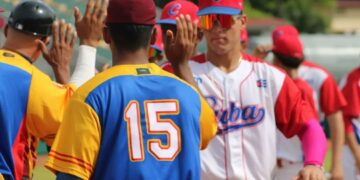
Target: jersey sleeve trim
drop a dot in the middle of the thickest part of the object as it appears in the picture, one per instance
(72, 160)
(70, 170)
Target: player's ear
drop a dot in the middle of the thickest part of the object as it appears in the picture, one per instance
(243, 20)
(153, 36)
(106, 35)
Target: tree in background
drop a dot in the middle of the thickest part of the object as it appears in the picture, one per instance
(310, 16)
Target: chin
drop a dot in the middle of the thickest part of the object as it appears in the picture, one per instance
(219, 50)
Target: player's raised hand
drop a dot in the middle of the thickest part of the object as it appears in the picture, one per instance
(60, 54)
(90, 26)
(310, 172)
(179, 48)
(262, 51)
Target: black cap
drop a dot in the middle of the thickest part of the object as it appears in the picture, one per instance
(33, 17)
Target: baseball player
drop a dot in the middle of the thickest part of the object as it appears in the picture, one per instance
(350, 86)
(328, 103)
(288, 55)
(250, 99)
(31, 104)
(156, 50)
(128, 125)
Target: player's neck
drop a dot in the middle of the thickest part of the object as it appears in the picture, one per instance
(225, 62)
(24, 51)
(136, 57)
(293, 73)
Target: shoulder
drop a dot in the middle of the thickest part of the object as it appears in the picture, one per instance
(122, 75)
(315, 69)
(350, 78)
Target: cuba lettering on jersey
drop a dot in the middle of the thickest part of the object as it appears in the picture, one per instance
(250, 104)
(29, 109)
(328, 98)
(133, 122)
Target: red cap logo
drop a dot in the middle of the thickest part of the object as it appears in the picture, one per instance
(174, 9)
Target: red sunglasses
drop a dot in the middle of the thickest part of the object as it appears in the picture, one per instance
(207, 22)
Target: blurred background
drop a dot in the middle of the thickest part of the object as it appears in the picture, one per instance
(330, 31)
(330, 28)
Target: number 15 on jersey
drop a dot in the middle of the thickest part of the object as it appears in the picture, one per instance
(154, 126)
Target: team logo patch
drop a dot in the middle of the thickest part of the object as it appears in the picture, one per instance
(236, 117)
(174, 9)
(143, 71)
(261, 83)
(198, 80)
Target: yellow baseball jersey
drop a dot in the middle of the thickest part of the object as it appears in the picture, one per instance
(133, 122)
(31, 107)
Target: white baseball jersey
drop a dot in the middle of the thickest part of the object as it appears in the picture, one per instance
(328, 98)
(250, 104)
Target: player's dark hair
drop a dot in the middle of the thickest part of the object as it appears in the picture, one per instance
(289, 62)
(130, 37)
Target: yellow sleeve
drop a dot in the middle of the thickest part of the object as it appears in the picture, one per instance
(77, 143)
(46, 104)
(208, 124)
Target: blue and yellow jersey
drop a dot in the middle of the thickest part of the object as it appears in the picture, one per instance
(31, 107)
(133, 122)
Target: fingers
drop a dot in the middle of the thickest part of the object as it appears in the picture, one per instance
(169, 38)
(184, 27)
(62, 27)
(95, 13)
(43, 49)
(69, 33)
(190, 28)
(77, 15)
(73, 40)
(55, 31)
(89, 9)
(103, 11)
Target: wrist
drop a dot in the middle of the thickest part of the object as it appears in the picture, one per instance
(89, 43)
(61, 68)
(316, 165)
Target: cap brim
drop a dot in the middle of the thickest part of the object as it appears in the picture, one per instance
(218, 10)
(166, 21)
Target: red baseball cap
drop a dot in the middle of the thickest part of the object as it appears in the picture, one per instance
(244, 36)
(227, 7)
(142, 12)
(175, 8)
(159, 43)
(286, 42)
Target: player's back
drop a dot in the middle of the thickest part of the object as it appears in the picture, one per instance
(149, 123)
(15, 78)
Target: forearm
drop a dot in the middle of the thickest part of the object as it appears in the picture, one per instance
(313, 143)
(85, 65)
(184, 72)
(353, 145)
(336, 125)
(62, 74)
